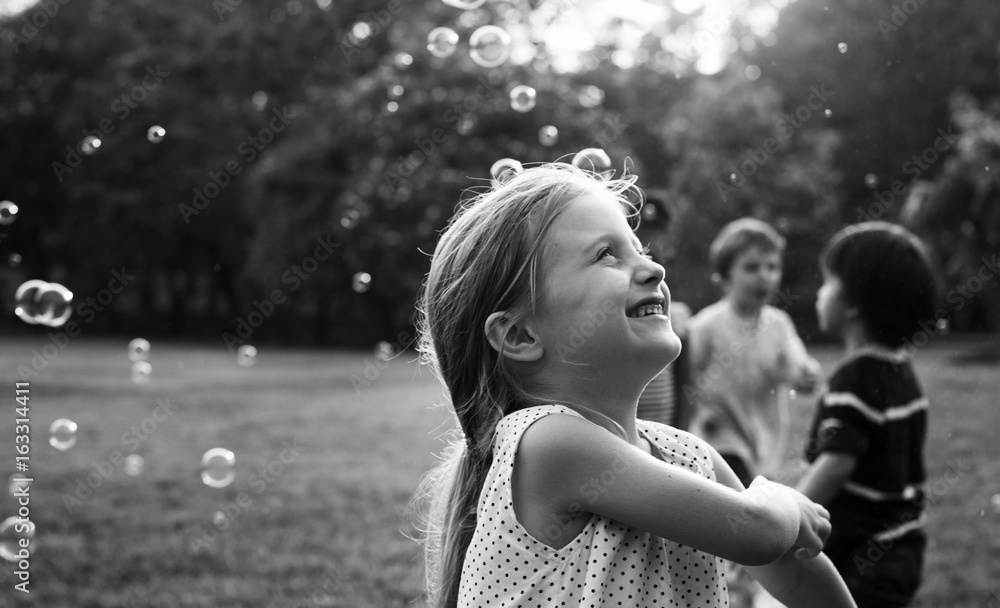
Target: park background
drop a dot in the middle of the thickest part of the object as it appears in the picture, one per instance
(810, 115)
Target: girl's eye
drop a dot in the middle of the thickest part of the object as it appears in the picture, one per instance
(603, 252)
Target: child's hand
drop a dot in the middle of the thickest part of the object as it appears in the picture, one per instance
(809, 376)
(814, 527)
(814, 519)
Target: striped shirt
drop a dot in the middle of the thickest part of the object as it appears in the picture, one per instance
(876, 411)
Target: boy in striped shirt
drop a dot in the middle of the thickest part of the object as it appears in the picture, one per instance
(866, 445)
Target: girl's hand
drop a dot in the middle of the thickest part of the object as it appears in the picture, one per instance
(814, 519)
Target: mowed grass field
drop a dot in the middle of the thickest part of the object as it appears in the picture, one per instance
(324, 471)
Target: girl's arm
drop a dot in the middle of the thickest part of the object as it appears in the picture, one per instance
(572, 465)
(791, 580)
(827, 475)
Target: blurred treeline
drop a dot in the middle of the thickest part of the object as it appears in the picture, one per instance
(356, 109)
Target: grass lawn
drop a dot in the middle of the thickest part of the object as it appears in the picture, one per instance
(323, 472)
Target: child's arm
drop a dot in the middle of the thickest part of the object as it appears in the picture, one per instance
(790, 579)
(571, 465)
(803, 371)
(827, 475)
(810, 582)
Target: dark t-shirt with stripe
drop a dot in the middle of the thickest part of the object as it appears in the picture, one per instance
(875, 410)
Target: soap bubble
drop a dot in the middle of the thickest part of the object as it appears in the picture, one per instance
(505, 169)
(402, 61)
(442, 42)
(384, 351)
(466, 5)
(16, 483)
(138, 349)
(246, 355)
(522, 98)
(361, 282)
(54, 305)
(62, 434)
(259, 101)
(548, 135)
(134, 464)
(591, 96)
(871, 180)
(217, 468)
(489, 46)
(219, 519)
(155, 134)
(89, 145)
(14, 260)
(828, 112)
(594, 160)
(26, 305)
(142, 372)
(842, 47)
(8, 213)
(12, 530)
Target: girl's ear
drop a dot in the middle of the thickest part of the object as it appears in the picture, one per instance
(514, 340)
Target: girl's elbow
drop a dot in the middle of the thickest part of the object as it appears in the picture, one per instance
(777, 534)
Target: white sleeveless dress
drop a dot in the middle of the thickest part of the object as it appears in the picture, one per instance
(607, 564)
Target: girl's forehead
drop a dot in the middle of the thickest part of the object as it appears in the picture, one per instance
(592, 212)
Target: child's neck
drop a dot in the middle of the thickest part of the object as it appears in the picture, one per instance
(613, 399)
(744, 310)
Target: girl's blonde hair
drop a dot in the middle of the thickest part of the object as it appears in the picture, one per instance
(487, 260)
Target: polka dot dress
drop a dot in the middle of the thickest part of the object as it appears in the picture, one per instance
(607, 564)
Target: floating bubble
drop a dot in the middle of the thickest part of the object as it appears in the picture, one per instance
(12, 530)
(138, 349)
(842, 47)
(259, 100)
(350, 218)
(871, 180)
(324, 4)
(217, 468)
(391, 107)
(361, 282)
(505, 169)
(791, 393)
(89, 145)
(828, 112)
(396, 91)
(14, 260)
(465, 126)
(26, 300)
(246, 355)
(62, 434)
(594, 160)
(465, 5)
(995, 503)
(548, 135)
(384, 351)
(54, 305)
(489, 46)
(17, 483)
(943, 327)
(752, 72)
(522, 98)
(142, 372)
(591, 96)
(442, 42)
(155, 134)
(8, 213)
(134, 464)
(402, 61)
(219, 519)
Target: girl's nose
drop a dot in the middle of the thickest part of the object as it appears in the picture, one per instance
(649, 272)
